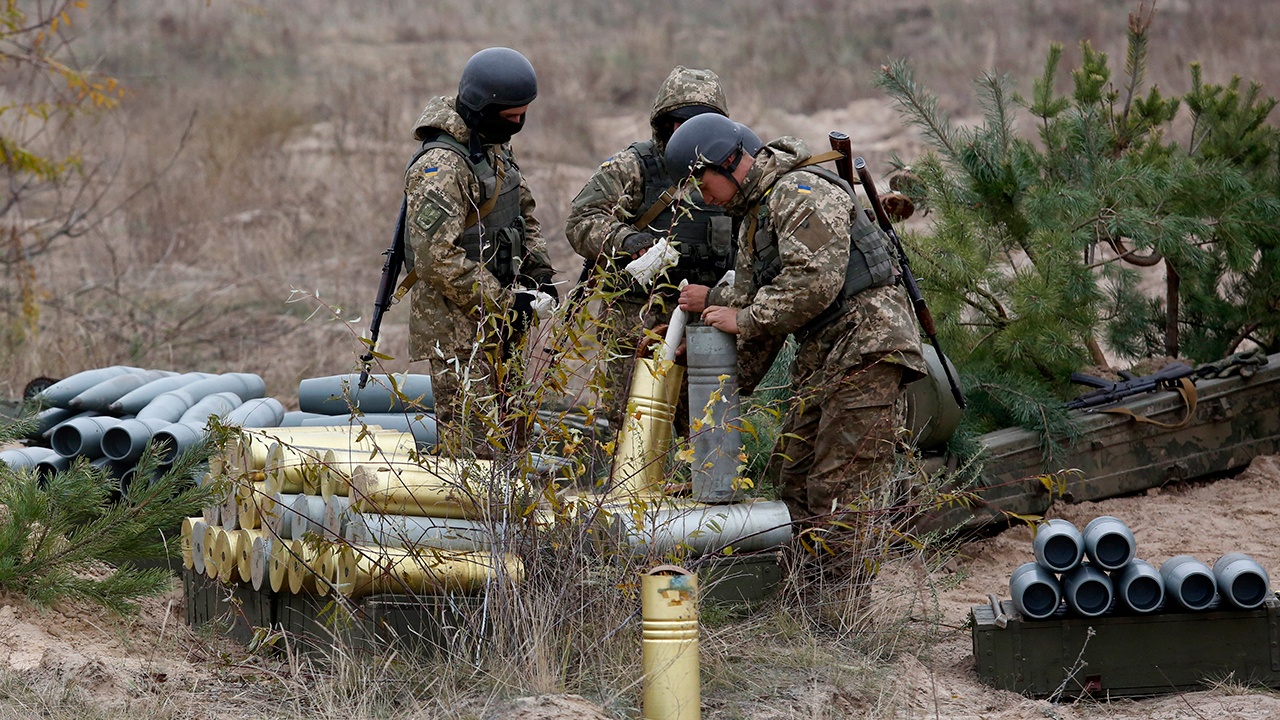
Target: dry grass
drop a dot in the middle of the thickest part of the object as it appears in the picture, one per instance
(259, 148)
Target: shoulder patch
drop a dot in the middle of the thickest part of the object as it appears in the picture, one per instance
(813, 235)
(607, 162)
(431, 215)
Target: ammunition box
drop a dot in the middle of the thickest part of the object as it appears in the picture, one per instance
(1127, 654)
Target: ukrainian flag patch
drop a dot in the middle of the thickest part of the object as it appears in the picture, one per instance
(431, 171)
(804, 189)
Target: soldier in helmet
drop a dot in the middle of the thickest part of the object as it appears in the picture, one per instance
(480, 261)
(624, 223)
(810, 264)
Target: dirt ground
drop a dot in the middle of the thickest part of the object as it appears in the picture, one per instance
(116, 661)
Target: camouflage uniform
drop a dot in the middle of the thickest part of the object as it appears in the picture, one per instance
(605, 212)
(851, 362)
(461, 311)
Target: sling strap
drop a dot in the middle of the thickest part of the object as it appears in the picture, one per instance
(1186, 389)
(473, 217)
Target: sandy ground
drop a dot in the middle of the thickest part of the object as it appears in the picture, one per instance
(114, 660)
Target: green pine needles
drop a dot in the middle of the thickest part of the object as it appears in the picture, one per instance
(1043, 251)
(74, 535)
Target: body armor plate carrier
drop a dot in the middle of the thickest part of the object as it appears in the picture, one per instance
(870, 263)
(704, 232)
(494, 231)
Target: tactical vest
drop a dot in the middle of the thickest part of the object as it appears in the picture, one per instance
(870, 262)
(704, 232)
(494, 231)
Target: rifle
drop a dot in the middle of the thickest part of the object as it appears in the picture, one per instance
(387, 293)
(845, 166)
(1166, 378)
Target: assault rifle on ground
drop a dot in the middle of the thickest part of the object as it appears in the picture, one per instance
(1166, 378)
(388, 295)
(841, 143)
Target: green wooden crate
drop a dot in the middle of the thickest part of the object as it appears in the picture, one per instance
(1127, 654)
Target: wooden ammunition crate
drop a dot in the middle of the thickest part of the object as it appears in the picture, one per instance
(426, 622)
(1127, 654)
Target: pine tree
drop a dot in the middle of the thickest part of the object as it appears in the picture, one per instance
(1033, 247)
(74, 535)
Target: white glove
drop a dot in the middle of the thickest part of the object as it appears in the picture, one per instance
(653, 262)
(541, 303)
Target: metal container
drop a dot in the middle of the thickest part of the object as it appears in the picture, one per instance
(1035, 591)
(698, 528)
(337, 513)
(278, 565)
(260, 561)
(714, 413)
(308, 515)
(640, 457)
(126, 441)
(1109, 543)
(1087, 590)
(184, 534)
(199, 532)
(81, 436)
(256, 413)
(1188, 582)
(932, 412)
(60, 393)
(669, 644)
(367, 570)
(421, 532)
(441, 491)
(133, 401)
(421, 426)
(99, 397)
(301, 566)
(1058, 545)
(1139, 586)
(24, 458)
(176, 438)
(1241, 580)
(217, 404)
(340, 394)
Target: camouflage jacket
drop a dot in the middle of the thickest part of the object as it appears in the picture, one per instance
(455, 297)
(603, 214)
(811, 220)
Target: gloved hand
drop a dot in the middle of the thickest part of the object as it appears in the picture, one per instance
(635, 244)
(653, 263)
(532, 306)
(524, 318)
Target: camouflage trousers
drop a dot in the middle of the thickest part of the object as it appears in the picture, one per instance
(474, 404)
(837, 449)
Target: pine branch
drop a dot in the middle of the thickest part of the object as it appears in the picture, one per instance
(919, 106)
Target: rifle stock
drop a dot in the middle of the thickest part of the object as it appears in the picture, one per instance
(846, 166)
(391, 269)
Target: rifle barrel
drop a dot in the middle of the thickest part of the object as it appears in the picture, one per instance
(391, 268)
(908, 278)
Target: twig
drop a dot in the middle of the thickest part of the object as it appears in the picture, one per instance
(1076, 667)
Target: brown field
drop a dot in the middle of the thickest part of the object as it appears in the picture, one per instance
(250, 180)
